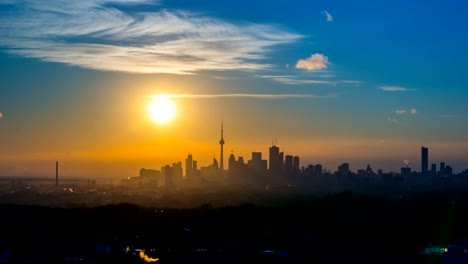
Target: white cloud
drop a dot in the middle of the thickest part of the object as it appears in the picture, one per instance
(413, 111)
(394, 89)
(96, 35)
(242, 95)
(400, 112)
(328, 16)
(316, 61)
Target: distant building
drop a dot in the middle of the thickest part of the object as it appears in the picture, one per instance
(318, 170)
(168, 176)
(442, 169)
(405, 171)
(275, 161)
(424, 160)
(433, 169)
(343, 169)
(288, 164)
(296, 170)
(188, 166)
(177, 172)
(256, 164)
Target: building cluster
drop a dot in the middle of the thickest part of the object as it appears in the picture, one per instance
(278, 170)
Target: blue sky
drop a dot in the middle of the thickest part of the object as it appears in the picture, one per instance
(340, 71)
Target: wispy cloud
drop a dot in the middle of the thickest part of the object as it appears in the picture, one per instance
(411, 111)
(328, 16)
(394, 89)
(105, 35)
(294, 80)
(316, 61)
(242, 95)
(393, 120)
(447, 116)
(289, 79)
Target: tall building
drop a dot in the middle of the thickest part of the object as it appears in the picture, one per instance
(433, 169)
(318, 170)
(258, 165)
(188, 166)
(221, 142)
(442, 169)
(275, 160)
(296, 169)
(424, 161)
(288, 164)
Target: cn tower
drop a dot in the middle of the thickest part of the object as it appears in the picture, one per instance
(221, 142)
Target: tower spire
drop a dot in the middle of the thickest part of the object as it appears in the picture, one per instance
(221, 142)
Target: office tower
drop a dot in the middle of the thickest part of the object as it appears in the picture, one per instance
(177, 172)
(296, 168)
(188, 166)
(276, 160)
(405, 171)
(257, 164)
(343, 169)
(433, 169)
(221, 143)
(442, 169)
(424, 160)
(318, 170)
(288, 164)
(168, 175)
(232, 162)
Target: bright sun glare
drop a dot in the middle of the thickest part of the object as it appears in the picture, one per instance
(162, 110)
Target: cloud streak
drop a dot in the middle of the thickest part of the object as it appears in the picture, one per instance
(412, 111)
(394, 89)
(242, 95)
(106, 35)
(293, 80)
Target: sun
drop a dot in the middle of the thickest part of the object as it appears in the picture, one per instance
(162, 110)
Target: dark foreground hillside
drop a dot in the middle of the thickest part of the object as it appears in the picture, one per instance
(340, 228)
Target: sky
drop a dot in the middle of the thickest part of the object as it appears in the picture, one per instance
(332, 81)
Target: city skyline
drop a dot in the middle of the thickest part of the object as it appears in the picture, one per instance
(331, 82)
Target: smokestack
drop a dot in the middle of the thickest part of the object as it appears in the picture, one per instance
(56, 173)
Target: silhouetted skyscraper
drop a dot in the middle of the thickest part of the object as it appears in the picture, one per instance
(288, 164)
(188, 166)
(424, 161)
(442, 169)
(296, 169)
(221, 142)
(276, 160)
(433, 169)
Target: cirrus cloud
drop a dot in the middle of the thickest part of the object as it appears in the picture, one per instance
(315, 62)
(328, 16)
(107, 35)
(394, 89)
